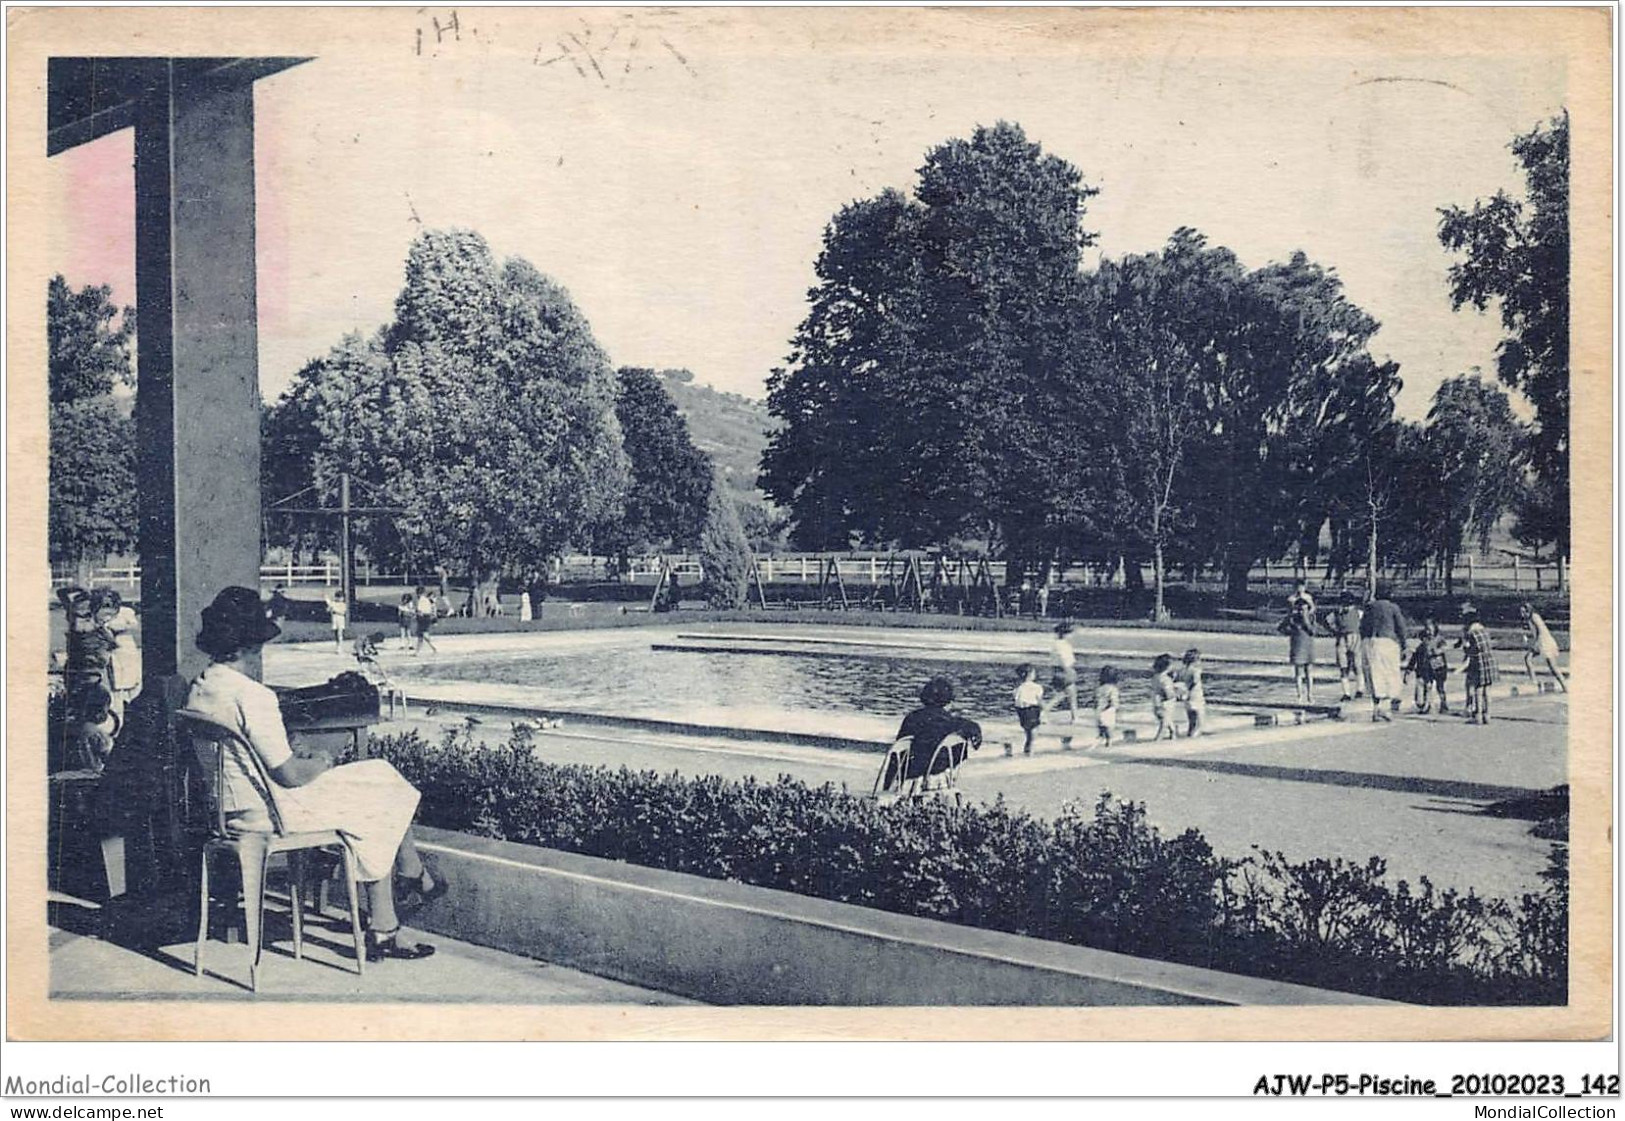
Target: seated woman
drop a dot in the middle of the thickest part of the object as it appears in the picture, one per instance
(369, 801)
(927, 726)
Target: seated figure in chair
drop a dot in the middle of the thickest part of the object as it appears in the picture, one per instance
(368, 801)
(928, 726)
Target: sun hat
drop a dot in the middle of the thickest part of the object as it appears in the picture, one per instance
(236, 619)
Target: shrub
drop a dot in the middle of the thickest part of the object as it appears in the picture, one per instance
(1104, 878)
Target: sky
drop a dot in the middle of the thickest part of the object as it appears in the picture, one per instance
(675, 171)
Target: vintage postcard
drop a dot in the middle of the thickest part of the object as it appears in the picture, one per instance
(791, 523)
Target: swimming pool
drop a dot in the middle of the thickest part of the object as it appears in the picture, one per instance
(635, 679)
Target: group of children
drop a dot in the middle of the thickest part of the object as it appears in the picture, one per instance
(1430, 666)
(1169, 690)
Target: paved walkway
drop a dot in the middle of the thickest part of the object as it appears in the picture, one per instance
(1414, 792)
(88, 968)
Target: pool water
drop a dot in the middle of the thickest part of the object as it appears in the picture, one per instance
(644, 681)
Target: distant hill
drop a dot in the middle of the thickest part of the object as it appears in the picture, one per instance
(730, 428)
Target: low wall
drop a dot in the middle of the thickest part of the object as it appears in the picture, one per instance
(730, 943)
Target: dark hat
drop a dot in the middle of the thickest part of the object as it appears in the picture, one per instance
(236, 619)
(938, 691)
(76, 601)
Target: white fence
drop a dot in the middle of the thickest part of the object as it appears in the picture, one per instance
(870, 569)
(129, 575)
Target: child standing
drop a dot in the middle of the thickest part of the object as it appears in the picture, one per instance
(1436, 661)
(1417, 669)
(423, 608)
(1163, 696)
(1346, 645)
(1191, 689)
(338, 613)
(1539, 643)
(1106, 698)
(1029, 704)
(1065, 681)
(1482, 672)
(406, 617)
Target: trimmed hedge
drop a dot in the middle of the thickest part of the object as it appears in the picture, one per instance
(1101, 877)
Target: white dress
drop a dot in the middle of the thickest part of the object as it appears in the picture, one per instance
(524, 607)
(369, 802)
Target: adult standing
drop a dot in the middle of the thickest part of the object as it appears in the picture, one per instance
(538, 593)
(124, 660)
(281, 606)
(1382, 651)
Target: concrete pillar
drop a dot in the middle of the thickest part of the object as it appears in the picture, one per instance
(197, 405)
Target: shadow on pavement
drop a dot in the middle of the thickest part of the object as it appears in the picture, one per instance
(1408, 784)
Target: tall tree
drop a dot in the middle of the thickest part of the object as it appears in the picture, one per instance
(89, 354)
(486, 410)
(92, 500)
(1472, 454)
(1516, 252)
(289, 446)
(831, 462)
(924, 375)
(1001, 233)
(670, 481)
(1151, 320)
(1294, 370)
(1415, 504)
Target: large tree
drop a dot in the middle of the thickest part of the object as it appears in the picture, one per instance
(1295, 377)
(289, 445)
(92, 499)
(1233, 405)
(669, 487)
(831, 462)
(1516, 252)
(1150, 324)
(486, 410)
(920, 383)
(1473, 442)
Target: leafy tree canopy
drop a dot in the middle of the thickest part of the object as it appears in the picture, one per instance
(486, 410)
(669, 487)
(92, 508)
(1516, 252)
(89, 354)
(915, 380)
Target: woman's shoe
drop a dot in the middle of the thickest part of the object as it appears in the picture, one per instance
(410, 895)
(381, 946)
